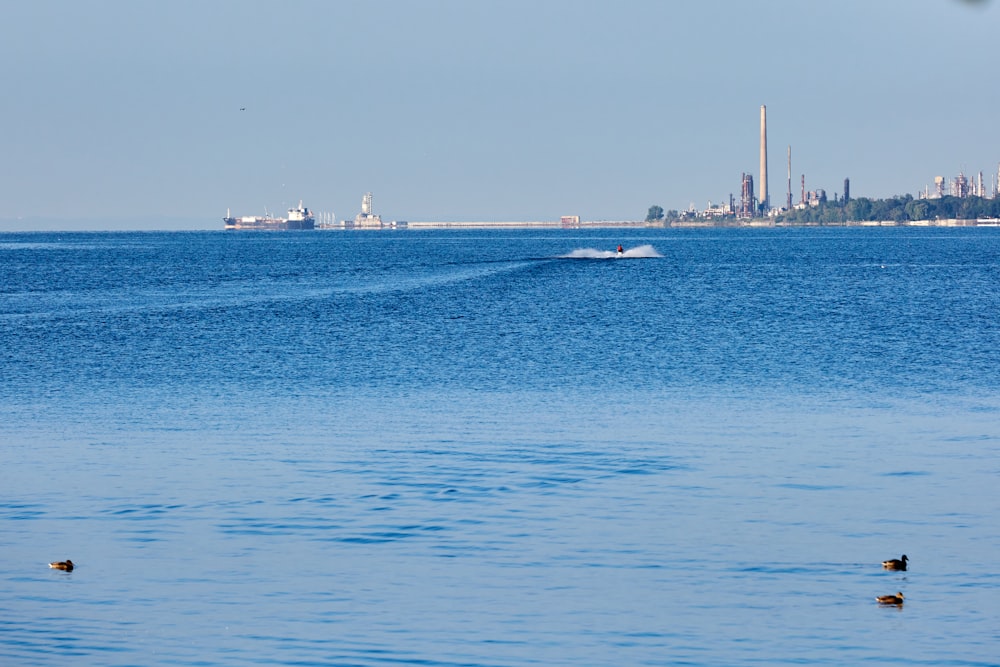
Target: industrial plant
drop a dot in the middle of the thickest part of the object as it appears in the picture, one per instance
(961, 187)
(754, 206)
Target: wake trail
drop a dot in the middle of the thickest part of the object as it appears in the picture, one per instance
(639, 252)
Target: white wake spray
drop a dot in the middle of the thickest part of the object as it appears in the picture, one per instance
(639, 252)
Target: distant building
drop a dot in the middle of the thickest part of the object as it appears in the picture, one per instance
(812, 198)
(960, 186)
(938, 191)
(748, 204)
(720, 211)
(366, 218)
(570, 221)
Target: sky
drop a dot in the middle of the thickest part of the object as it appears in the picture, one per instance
(159, 115)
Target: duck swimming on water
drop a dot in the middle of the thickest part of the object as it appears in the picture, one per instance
(895, 563)
(64, 565)
(896, 599)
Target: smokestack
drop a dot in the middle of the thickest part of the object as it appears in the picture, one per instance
(763, 159)
(788, 203)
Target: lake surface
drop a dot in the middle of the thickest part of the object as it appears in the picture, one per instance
(458, 448)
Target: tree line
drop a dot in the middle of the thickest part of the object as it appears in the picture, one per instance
(656, 214)
(902, 208)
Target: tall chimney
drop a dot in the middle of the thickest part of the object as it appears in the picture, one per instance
(763, 159)
(788, 203)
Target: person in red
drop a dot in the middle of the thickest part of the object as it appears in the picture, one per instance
(620, 250)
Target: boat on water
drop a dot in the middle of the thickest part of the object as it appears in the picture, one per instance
(299, 217)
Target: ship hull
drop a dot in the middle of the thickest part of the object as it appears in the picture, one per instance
(279, 225)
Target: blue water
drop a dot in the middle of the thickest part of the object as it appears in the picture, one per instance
(447, 448)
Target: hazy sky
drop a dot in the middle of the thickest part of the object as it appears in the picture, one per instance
(130, 111)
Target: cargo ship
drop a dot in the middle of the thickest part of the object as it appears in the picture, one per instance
(298, 218)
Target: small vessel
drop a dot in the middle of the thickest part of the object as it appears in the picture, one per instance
(299, 217)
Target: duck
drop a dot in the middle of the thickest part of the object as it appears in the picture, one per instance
(896, 599)
(895, 563)
(65, 565)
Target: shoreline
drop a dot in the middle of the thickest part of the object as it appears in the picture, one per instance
(91, 226)
(598, 224)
